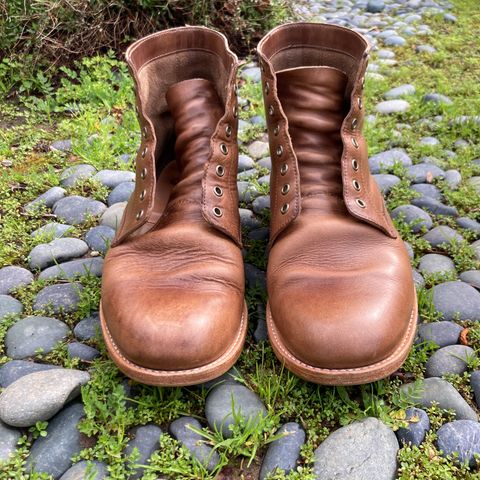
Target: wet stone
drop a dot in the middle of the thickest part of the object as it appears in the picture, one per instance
(418, 426)
(441, 333)
(14, 277)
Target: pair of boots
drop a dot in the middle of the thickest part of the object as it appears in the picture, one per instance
(342, 305)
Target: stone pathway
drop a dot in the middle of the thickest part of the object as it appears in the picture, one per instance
(365, 449)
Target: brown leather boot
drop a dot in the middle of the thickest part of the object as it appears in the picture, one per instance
(173, 310)
(342, 305)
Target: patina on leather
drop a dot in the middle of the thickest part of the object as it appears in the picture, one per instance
(342, 305)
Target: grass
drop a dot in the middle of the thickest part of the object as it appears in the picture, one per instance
(93, 106)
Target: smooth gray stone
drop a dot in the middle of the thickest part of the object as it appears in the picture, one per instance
(427, 190)
(449, 360)
(392, 106)
(476, 248)
(9, 438)
(14, 369)
(415, 217)
(245, 163)
(418, 280)
(63, 297)
(146, 439)
(86, 470)
(386, 181)
(394, 41)
(88, 328)
(472, 277)
(261, 233)
(56, 251)
(9, 306)
(450, 18)
(442, 234)
(384, 53)
(31, 334)
(363, 450)
(475, 383)
(121, 193)
(61, 145)
(434, 389)
(194, 442)
(469, 224)
(418, 426)
(254, 277)
(261, 203)
(475, 183)
(252, 73)
(52, 230)
(437, 98)
(112, 216)
(231, 376)
(436, 263)
(72, 175)
(113, 178)
(400, 91)
(83, 352)
(425, 49)
(13, 277)
(76, 209)
(73, 269)
(435, 207)
(218, 406)
(461, 143)
(410, 251)
(247, 191)
(248, 219)
(387, 159)
(283, 454)
(442, 333)
(100, 238)
(264, 180)
(258, 149)
(247, 174)
(461, 437)
(375, 6)
(265, 163)
(430, 141)
(48, 198)
(457, 301)
(53, 454)
(424, 172)
(37, 397)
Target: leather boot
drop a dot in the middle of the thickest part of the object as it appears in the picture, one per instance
(342, 304)
(173, 310)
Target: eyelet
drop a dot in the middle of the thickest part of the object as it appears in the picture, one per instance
(267, 88)
(284, 169)
(284, 208)
(276, 130)
(285, 189)
(235, 112)
(360, 104)
(143, 174)
(279, 150)
(271, 110)
(356, 185)
(217, 211)
(220, 170)
(137, 111)
(355, 164)
(144, 152)
(228, 131)
(354, 141)
(145, 132)
(142, 195)
(354, 123)
(262, 67)
(360, 203)
(223, 149)
(139, 215)
(363, 83)
(217, 191)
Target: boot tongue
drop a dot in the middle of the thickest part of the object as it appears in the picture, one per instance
(313, 99)
(196, 109)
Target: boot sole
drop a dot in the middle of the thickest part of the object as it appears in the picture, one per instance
(176, 378)
(343, 376)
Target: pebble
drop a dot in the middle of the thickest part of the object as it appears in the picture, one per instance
(88, 328)
(442, 234)
(375, 6)
(469, 224)
(61, 145)
(475, 183)
(400, 91)
(392, 106)
(425, 49)
(56, 251)
(461, 437)
(415, 217)
(49, 198)
(100, 238)
(9, 306)
(113, 178)
(74, 269)
(409, 249)
(394, 41)
(258, 149)
(475, 383)
(472, 277)
(32, 334)
(442, 333)
(52, 230)
(121, 193)
(83, 352)
(247, 174)
(476, 248)
(76, 209)
(434, 206)
(14, 277)
(457, 301)
(248, 219)
(437, 390)
(385, 54)
(246, 191)
(434, 263)
(427, 190)
(231, 376)
(245, 163)
(424, 172)
(453, 178)
(387, 159)
(418, 280)
(437, 98)
(449, 360)
(418, 426)
(9, 438)
(364, 450)
(218, 406)
(430, 141)
(52, 454)
(284, 452)
(83, 470)
(14, 369)
(194, 442)
(112, 216)
(72, 175)
(261, 203)
(386, 181)
(39, 396)
(253, 74)
(58, 298)
(146, 439)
